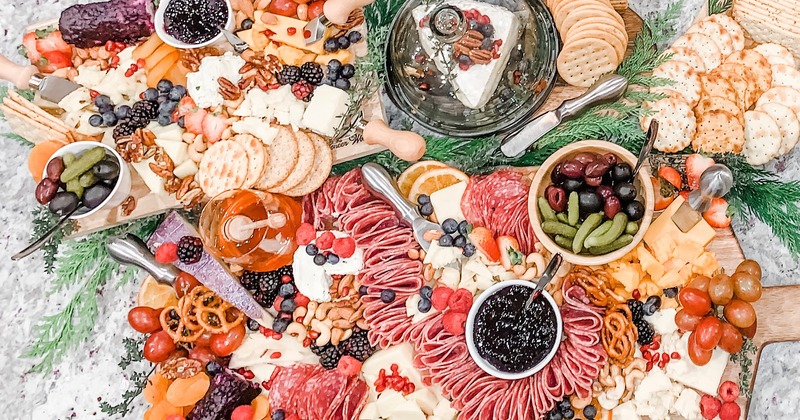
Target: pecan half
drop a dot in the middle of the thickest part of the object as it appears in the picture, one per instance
(187, 184)
(180, 367)
(128, 206)
(163, 165)
(480, 56)
(471, 40)
(228, 89)
(192, 198)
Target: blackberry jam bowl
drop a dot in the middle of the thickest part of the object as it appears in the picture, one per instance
(193, 23)
(507, 340)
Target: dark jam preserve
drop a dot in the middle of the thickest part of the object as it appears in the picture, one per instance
(511, 338)
(194, 21)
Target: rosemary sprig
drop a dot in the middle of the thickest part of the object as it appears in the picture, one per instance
(138, 381)
(133, 351)
(744, 358)
(719, 6)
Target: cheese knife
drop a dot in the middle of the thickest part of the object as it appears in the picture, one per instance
(406, 145)
(52, 88)
(380, 183)
(239, 46)
(715, 182)
(608, 88)
(334, 12)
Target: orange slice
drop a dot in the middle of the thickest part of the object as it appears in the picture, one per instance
(188, 391)
(434, 180)
(156, 295)
(407, 178)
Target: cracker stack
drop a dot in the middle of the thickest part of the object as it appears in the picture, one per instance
(725, 98)
(594, 39)
(769, 21)
(32, 122)
(293, 163)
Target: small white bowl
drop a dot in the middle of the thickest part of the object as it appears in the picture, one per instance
(161, 30)
(473, 350)
(121, 189)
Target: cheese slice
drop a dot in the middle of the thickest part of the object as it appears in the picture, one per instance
(704, 378)
(286, 26)
(325, 110)
(153, 181)
(187, 168)
(701, 234)
(178, 151)
(447, 202)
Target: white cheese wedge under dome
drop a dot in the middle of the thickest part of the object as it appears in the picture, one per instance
(476, 85)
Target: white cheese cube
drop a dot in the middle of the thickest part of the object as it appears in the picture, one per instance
(688, 404)
(325, 111)
(388, 402)
(178, 151)
(450, 278)
(256, 127)
(447, 202)
(187, 168)
(153, 181)
(172, 132)
(439, 256)
(370, 412)
(625, 411)
(76, 100)
(705, 378)
(408, 410)
(443, 411)
(663, 321)
(89, 76)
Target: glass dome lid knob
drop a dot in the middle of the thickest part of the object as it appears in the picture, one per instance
(448, 23)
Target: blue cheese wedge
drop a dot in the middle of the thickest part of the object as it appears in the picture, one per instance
(447, 202)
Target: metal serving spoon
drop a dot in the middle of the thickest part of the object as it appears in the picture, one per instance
(549, 273)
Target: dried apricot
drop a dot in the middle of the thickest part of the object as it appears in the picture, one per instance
(156, 388)
(261, 406)
(188, 391)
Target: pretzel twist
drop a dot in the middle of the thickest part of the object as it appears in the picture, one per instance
(619, 334)
(198, 312)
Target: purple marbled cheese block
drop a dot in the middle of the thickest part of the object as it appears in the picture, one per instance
(208, 271)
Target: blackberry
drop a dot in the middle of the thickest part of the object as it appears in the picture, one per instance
(266, 284)
(357, 346)
(329, 357)
(646, 332)
(263, 299)
(311, 72)
(289, 75)
(123, 129)
(250, 280)
(144, 111)
(637, 309)
(190, 249)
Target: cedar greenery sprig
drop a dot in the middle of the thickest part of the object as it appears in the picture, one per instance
(138, 380)
(647, 53)
(43, 220)
(716, 7)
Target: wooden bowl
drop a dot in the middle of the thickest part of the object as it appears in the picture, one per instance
(542, 180)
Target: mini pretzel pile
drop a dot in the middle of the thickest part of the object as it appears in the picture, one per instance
(198, 312)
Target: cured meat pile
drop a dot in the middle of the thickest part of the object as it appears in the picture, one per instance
(445, 359)
(499, 202)
(312, 392)
(376, 229)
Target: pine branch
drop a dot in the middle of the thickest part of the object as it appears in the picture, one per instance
(716, 7)
(646, 55)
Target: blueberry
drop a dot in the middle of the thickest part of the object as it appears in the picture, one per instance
(464, 59)
(554, 415)
(150, 95)
(312, 249)
(279, 324)
(342, 84)
(387, 295)
(164, 86)
(278, 415)
(463, 228)
(568, 413)
(564, 404)
(354, 37)
(286, 290)
(651, 305)
(426, 209)
(469, 250)
(348, 71)
(247, 24)
(589, 412)
(123, 111)
(288, 305)
(426, 292)
(333, 75)
(362, 290)
(343, 42)
(164, 120)
(450, 226)
(167, 107)
(320, 259)
(671, 292)
(177, 93)
(424, 199)
(213, 368)
(487, 30)
(326, 81)
(424, 305)
(446, 240)
(96, 120)
(252, 325)
(105, 108)
(460, 241)
(333, 258)
(102, 100)
(334, 65)
(331, 45)
(181, 122)
(109, 119)
(164, 97)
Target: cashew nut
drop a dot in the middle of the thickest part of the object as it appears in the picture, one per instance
(298, 312)
(358, 314)
(616, 370)
(579, 403)
(347, 333)
(530, 274)
(322, 310)
(296, 329)
(336, 336)
(362, 323)
(633, 379)
(427, 273)
(194, 155)
(538, 261)
(637, 364)
(538, 247)
(324, 332)
(611, 397)
(334, 314)
(343, 324)
(199, 144)
(346, 282)
(187, 137)
(518, 270)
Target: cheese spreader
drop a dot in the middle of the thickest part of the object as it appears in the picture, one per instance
(52, 88)
(715, 182)
(334, 12)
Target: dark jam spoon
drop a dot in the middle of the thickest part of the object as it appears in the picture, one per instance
(549, 273)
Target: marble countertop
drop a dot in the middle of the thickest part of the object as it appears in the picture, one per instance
(89, 374)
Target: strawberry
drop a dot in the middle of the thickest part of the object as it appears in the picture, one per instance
(460, 300)
(167, 253)
(709, 406)
(52, 42)
(301, 300)
(349, 366)
(29, 42)
(454, 322)
(344, 247)
(57, 60)
(484, 241)
(664, 193)
(186, 106)
(695, 165)
(440, 297)
(510, 254)
(717, 215)
(213, 126)
(730, 411)
(305, 234)
(685, 194)
(193, 122)
(671, 175)
(728, 391)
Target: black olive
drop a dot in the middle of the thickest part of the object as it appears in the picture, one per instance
(589, 202)
(556, 177)
(573, 184)
(634, 210)
(63, 202)
(621, 172)
(106, 169)
(95, 195)
(625, 191)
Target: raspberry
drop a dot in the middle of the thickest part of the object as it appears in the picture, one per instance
(243, 412)
(709, 406)
(460, 301)
(325, 241)
(454, 322)
(729, 391)
(167, 253)
(301, 300)
(730, 411)
(349, 366)
(440, 296)
(303, 90)
(305, 234)
(344, 247)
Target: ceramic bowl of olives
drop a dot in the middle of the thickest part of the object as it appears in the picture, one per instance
(586, 202)
(86, 175)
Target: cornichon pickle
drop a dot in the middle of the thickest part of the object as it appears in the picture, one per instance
(618, 243)
(563, 241)
(87, 179)
(68, 159)
(601, 229)
(617, 228)
(573, 209)
(631, 228)
(562, 217)
(557, 228)
(74, 185)
(546, 210)
(591, 223)
(83, 164)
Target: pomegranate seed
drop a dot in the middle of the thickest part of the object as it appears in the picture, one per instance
(291, 31)
(656, 345)
(382, 374)
(285, 278)
(495, 55)
(277, 336)
(645, 348)
(395, 367)
(120, 46)
(269, 33)
(265, 384)
(647, 355)
(636, 294)
(313, 334)
(93, 93)
(306, 342)
(129, 73)
(275, 355)
(424, 87)
(657, 339)
(300, 319)
(141, 63)
(109, 45)
(649, 366)
(664, 357)
(249, 375)
(240, 371)
(498, 42)
(419, 58)
(675, 355)
(306, 34)
(114, 60)
(463, 66)
(662, 364)
(484, 19)
(380, 388)
(274, 86)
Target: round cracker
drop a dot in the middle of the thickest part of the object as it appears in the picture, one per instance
(602, 23)
(788, 124)
(584, 61)
(687, 82)
(689, 57)
(752, 93)
(256, 157)
(563, 8)
(716, 32)
(305, 162)
(704, 46)
(711, 103)
(718, 132)
(223, 168)
(283, 154)
(785, 75)
(676, 124)
(619, 46)
(762, 137)
(739, 84)
(323, 162)
(713, 84)
(782, 95)
(775, 54)
(757, 64)
(732, 26)
(589, 12)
